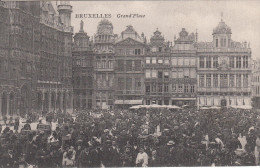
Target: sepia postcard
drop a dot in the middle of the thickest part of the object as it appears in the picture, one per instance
(129, 83)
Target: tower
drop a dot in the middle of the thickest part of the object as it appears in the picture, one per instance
(81, 39)
(65, 10)
(222, 35)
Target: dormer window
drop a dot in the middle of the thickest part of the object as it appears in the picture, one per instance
(160, 49)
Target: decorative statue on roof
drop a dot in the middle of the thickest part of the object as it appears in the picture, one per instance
(81, 26)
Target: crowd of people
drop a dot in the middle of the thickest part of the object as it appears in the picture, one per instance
(136, 138)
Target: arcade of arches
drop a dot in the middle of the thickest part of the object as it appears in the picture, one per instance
(14, 104)
(54, 101)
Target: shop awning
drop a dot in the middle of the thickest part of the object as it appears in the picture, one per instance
(183, 98)
(137, 102)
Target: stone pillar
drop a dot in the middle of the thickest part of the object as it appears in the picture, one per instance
(80, 101)
(42, 99)
(235, 80)
(228, 77)
(71, 103)
(242, 80)
(235, 60)
(61, 101)
(211, 79)
(49, 103)
(219, 80)
(1, 106)
(205, 62)
(8, 104)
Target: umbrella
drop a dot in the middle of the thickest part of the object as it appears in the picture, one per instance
(246, 107)
(155, 106)
(215, 107)
(205, 108)
(135, 107)
(173, 107)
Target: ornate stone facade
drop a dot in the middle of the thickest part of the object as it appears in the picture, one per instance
(157, 68)
(183, 75)
(130, 50)
(35, 58)
(104, 65)
(83, 70)
(223, 70)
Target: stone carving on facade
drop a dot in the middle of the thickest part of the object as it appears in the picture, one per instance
(223, 63)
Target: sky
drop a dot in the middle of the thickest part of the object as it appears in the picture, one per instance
(171, 16)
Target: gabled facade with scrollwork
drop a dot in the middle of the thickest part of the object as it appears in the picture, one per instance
(223, 70)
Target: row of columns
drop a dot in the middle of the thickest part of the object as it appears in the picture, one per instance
(228, 80)
(8, 104)
(47, 98)
(230, 100)
(212, 60)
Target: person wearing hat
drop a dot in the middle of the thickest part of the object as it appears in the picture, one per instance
(27, 126)
(96, 155)
(127, 158)
(111, 156)
(135, 149)
(154, 160)
(169, 155)
(84, 158)
(251, 141)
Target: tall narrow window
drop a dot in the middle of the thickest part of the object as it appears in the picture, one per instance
(202, 62)
(129, 84)
(129, 65)
(121, 83)
(238, 62)
(208, 62)
(147, 88)
(238, 80)
(174, 87)
(232, 80)
(216, 42)
(245, 61)
(147, 73)
(192, 89)
(201, 81)
(232, 62)
(245, 80)
(153, 88)
(166, 88)
(138, 65)
(154, 74)
(208, 80)
(186, 88)
(215, 62)
(160, 74)
(180, 89)
(223, 80)
(154, 60)
(160, 88)
(147, 60)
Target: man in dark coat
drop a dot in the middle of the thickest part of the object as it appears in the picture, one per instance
(84, 158)
(8, 159)
(111, 156)
(96, 156)
(127, 158)
(41, 157)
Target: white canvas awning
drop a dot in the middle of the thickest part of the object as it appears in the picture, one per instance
(134, 102)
